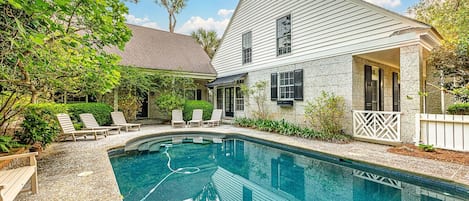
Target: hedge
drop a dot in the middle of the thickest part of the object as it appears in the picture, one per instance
(40, 122)
(285, 128)
(459, 109)
(191, 105)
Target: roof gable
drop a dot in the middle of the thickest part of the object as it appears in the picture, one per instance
(160, 50)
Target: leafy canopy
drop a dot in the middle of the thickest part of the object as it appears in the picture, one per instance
(208, 40)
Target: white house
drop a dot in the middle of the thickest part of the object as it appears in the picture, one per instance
(372, 57)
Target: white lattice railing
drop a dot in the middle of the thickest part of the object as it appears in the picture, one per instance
(378, 179)
(377, 125)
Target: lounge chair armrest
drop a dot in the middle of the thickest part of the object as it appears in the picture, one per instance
(18, 156)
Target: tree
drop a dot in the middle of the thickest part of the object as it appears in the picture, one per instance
(208, 40)
(49, 46)
(173, 7)
(450, 18)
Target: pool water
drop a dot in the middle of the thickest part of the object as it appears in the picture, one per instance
(245, 169)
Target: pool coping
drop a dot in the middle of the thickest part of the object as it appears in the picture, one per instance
(102, 185)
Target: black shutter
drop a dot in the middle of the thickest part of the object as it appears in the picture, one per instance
(273, 86)
(298, 77)
(368, 88)
(274, 173)
(395, 93)
(381, 90)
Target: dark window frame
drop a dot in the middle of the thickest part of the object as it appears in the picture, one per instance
(285, 36)
(246, 47)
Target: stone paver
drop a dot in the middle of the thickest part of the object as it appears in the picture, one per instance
(61, 163)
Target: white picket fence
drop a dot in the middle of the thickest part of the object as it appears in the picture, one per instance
(377, 125)
(443, 131)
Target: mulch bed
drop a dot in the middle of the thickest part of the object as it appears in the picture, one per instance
(439, 154)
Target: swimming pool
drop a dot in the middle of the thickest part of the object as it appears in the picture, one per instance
(185, 167)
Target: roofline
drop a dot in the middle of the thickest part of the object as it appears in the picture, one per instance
(207, 76)
(226, 30)
(391, 13)
(153, 29)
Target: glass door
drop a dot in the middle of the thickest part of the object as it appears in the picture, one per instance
(229, 102)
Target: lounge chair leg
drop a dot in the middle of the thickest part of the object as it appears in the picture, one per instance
(34, 185)
(95, 136)
(74, 138)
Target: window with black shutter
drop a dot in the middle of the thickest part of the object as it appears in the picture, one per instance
(298, 84)
(368, 88)
(381, 90)
(273, 87)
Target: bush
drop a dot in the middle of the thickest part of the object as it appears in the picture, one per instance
(7, 142)
(191, 105)
(285, 128)
(40, 123)
(100, 111)
(325, 113)
(459, 109)
(169, 102)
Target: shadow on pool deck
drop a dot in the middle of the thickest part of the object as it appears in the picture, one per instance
(61, 163)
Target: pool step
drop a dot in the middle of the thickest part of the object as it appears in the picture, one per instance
(155, 145)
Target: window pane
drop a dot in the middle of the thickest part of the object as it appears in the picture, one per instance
(284, 35)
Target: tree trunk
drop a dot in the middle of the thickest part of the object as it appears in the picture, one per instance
(171, 28)
(34, 97)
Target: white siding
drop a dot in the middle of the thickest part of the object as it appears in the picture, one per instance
(320, 28)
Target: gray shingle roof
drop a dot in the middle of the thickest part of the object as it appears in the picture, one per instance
(155, 49)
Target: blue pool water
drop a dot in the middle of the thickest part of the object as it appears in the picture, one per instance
(243, 169)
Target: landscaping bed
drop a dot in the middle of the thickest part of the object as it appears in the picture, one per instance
(439, 154)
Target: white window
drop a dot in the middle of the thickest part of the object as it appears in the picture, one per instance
(239, 99)
(287, 85)
(247, 48)
(284, 35)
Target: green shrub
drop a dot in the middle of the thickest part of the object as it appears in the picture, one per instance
(459, 109)
(427, 148)
(191, 105)
(40, 123)
(7, 142)
(169, 102)
(100, 111)
(285, 128)
(326, 113)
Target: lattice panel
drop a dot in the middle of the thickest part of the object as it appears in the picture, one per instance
(378, 179)
(377, 125)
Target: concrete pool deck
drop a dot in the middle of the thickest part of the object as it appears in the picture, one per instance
(82, 171)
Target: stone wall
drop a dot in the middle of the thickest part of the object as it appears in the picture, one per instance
(332, 74)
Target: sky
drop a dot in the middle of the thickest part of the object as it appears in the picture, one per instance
(211, 14)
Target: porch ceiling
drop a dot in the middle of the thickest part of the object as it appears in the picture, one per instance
(389, 57)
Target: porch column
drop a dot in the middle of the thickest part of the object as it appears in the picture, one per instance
(411, 63)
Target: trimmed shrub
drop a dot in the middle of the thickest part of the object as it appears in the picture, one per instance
(285, 128)
(100, 111)
(40, 123)
(326, 113)
(191, 105)
(459, 109)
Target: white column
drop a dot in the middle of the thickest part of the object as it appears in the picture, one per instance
(411, 63)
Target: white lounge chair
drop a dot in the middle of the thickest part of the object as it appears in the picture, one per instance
(68, 129)
(12, 181)
(118, 119)
(176, 118)
(196, 118)
(90, 123)
(216, 118)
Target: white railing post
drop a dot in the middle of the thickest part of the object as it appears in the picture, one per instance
(417, 129)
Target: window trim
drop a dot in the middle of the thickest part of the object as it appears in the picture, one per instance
(243, 58)
(277, 37)
(292, 73)
(240, 98)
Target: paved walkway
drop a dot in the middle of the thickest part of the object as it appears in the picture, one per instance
(61, 163)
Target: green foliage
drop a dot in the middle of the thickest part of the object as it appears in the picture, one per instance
(325, 113)
(448, 17)
(100, 111)
(459, 109)
(285, 128)
(191, 105)
(427, 148)
(7, 142)
(258, 92)
(169, 102)
(40, 123)
(58, 46)
(208, 40)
